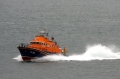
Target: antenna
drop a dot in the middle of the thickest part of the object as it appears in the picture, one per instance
(46, 29)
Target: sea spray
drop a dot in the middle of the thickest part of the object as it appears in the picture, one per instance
(100, 52)
(95, 52)
(18, 58)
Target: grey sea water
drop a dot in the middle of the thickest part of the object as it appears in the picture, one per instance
(75, 24)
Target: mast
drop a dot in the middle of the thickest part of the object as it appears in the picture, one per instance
(43, 33)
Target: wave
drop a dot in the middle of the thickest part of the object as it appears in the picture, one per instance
(94, 52)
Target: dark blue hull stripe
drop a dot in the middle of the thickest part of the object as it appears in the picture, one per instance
(28, 52)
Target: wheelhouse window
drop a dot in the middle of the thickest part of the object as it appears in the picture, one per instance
(40, 43)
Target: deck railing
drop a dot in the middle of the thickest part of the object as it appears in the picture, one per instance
(23, 45)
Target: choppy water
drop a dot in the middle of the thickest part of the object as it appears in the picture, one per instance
(89, 29)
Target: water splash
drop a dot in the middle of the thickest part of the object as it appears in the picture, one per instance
(95, 52)
(100, 52)
(18, 58)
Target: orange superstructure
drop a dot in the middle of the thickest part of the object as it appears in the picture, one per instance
(44, 44)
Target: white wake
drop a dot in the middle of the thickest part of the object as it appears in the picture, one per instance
(95, 52)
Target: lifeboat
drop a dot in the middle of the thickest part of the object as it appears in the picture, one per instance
(40, 46)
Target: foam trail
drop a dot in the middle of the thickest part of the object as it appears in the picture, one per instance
(95, 52)
(18, 58)
(101, 52)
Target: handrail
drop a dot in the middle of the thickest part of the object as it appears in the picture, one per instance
(23, 45)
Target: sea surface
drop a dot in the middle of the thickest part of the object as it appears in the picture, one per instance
(89, 29)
